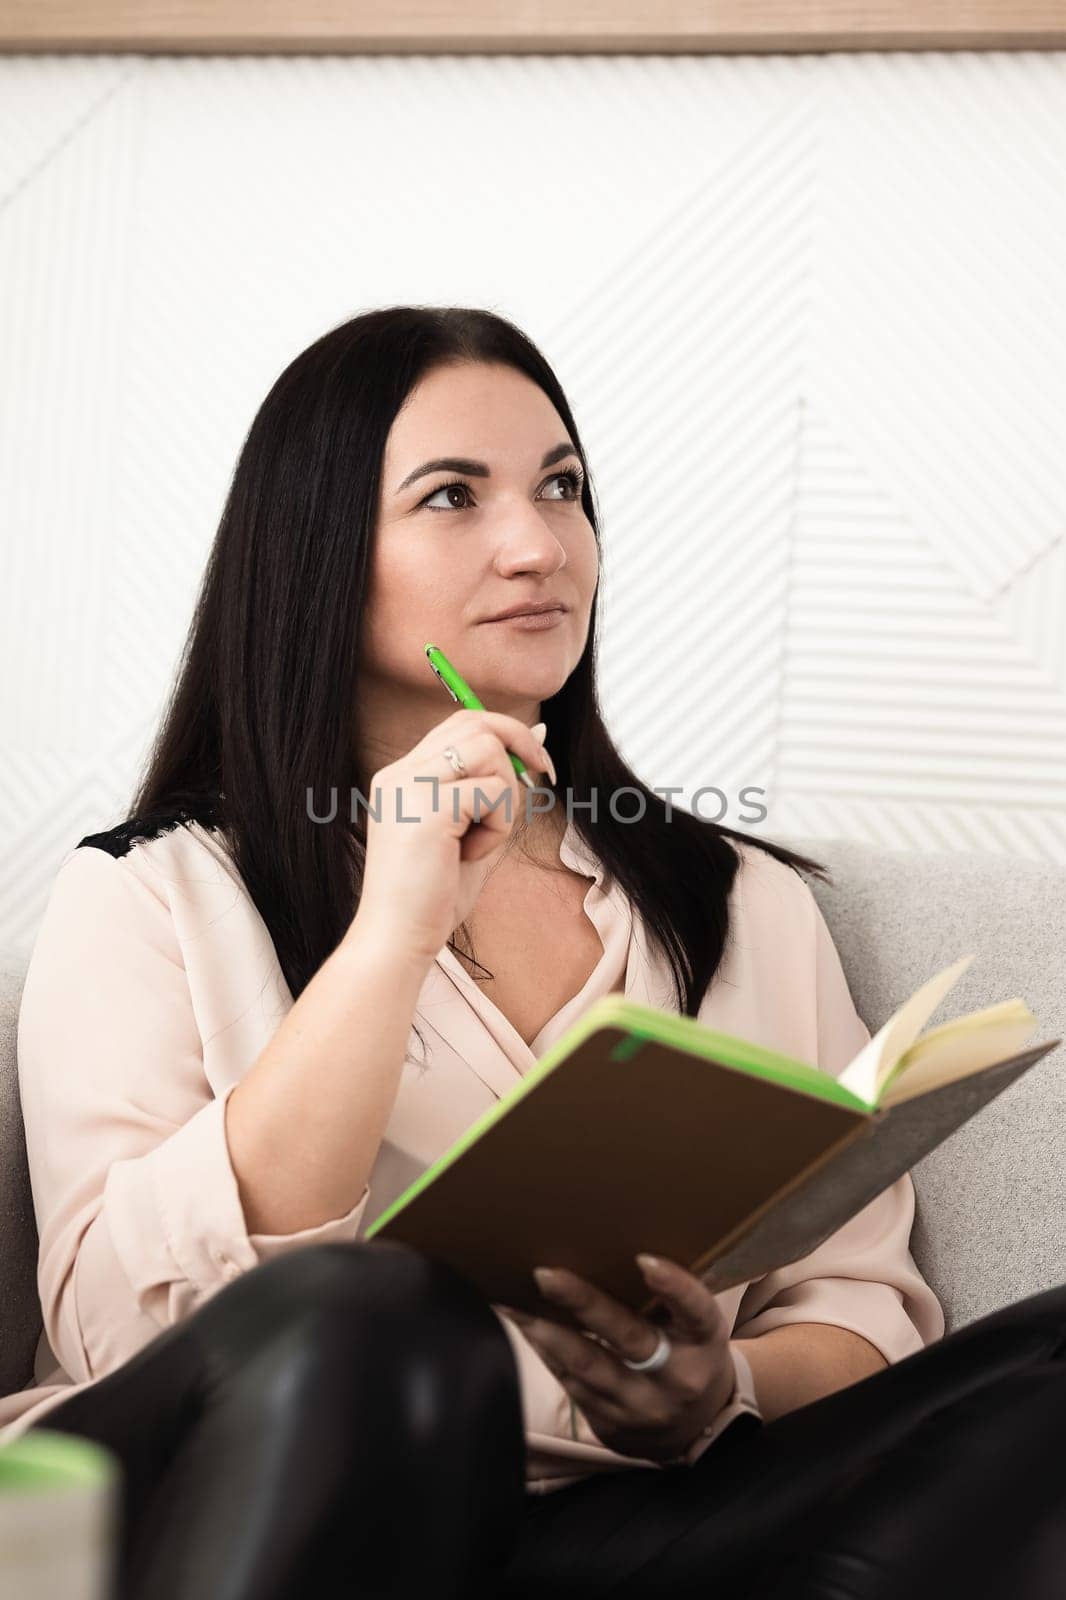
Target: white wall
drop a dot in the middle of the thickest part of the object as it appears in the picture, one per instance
(811, 314)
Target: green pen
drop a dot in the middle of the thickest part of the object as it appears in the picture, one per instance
(460, 690)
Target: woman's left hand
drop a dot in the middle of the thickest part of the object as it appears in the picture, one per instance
(656, 1415)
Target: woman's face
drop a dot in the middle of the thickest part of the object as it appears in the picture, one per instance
(446, 559)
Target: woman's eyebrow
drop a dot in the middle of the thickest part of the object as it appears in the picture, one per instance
(478, 469)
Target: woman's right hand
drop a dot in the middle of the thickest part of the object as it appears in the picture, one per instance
(422, 877)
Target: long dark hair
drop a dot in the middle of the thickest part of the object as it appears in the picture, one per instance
(264, 702)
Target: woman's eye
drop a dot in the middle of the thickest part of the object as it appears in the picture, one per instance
(571, 478)
(446, 488)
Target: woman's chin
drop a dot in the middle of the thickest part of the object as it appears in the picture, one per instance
(519, 670)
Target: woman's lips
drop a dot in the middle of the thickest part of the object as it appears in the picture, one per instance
(530, 621)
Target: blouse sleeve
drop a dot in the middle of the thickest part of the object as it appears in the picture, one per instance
(137, 1204)
(863, 1277)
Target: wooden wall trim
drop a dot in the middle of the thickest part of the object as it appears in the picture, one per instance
(531, 27)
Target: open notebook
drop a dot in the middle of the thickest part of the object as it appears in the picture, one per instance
(644, 1130)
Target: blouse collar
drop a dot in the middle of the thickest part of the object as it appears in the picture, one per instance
(454, 1005)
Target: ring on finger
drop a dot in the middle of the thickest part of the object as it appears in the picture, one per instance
(458, 766)
(658, 1358)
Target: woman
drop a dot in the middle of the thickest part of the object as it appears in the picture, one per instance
(253, 1016)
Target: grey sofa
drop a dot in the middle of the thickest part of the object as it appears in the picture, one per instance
(991, 1213)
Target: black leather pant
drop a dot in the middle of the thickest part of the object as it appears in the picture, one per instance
(346, 1421)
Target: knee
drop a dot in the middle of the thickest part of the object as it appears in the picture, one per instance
(381, 1281)
(377, 1340)
(377, 1301)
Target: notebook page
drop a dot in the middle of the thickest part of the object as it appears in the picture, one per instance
(958, 1048)
(867, 1073)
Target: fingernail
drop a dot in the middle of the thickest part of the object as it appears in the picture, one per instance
(516, 1316)
(651, 1266)
(538, 730)
(547, 1280)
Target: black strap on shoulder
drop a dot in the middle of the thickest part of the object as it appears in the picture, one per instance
(118, 841)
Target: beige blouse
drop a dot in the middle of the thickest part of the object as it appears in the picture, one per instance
(154, 985)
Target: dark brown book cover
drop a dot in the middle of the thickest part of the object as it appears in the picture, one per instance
(628, 1143)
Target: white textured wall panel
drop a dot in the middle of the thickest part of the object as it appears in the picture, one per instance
(810, 313)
